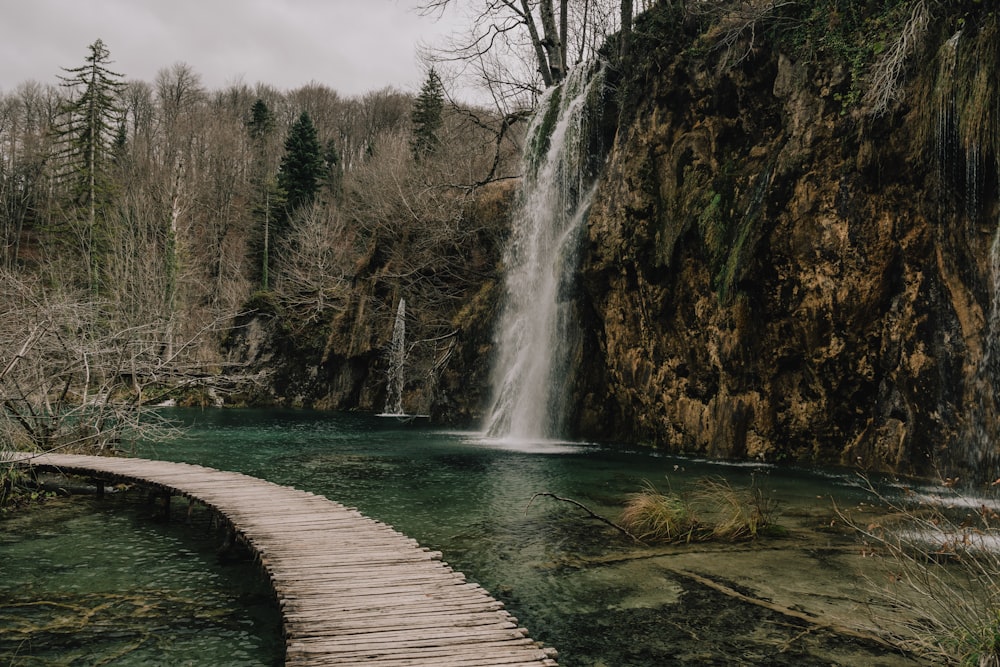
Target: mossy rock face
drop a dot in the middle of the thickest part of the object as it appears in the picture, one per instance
(540, 139)
(779, 273)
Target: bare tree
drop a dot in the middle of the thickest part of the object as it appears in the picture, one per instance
(67, 381)
(64, 385)
(502, 33)
(316, 259)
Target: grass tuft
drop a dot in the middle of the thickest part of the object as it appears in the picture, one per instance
(659, 517)
(714, 510)
(738, 514)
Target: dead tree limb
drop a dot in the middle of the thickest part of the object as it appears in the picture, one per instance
(814, 621)
(585, 509)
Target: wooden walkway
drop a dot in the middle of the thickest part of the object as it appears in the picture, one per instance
(352, 590)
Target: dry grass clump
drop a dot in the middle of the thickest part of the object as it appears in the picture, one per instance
(737, 514)
(654, 516)
(936, 564)
(714, 510)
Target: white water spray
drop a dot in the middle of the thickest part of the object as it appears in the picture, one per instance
(538, 328)
(397, 364)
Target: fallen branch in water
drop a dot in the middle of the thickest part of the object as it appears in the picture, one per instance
(786, 611)
(585, 509)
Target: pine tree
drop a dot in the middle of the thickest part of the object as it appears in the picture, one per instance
(427, 116)
(302, 167)
(261, 122)
(90, 126)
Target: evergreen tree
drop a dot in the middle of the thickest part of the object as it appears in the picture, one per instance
(261, 122)
(90, 126)
(302, 167)
(427, 116)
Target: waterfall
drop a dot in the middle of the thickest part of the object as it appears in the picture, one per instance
(947, 140)
(984, 456)
(397, 362)
(538, 326)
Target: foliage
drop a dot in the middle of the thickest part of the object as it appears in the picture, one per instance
(302, 168)
(426, 116)
(712, 223)
(18, 488)
(730, 238)
(886, 73)
(91, 121)
(261, 123)
(192, 213)
(11, 485)
(541, 132)
(712, 510)
(268, 200)
(935, 561)
(656, 38)
(871, 40)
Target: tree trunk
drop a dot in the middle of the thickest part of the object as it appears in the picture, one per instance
(536, 41)
(552, 41)
(564, 32)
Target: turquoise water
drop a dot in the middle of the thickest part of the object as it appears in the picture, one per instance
(88, 582)
(575, 583)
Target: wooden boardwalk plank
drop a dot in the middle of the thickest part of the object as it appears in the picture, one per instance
(352, 590)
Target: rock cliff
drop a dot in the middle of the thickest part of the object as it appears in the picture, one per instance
(779, 269)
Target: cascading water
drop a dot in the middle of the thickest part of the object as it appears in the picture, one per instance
(982, 455)
(947, 140)
(538, 326)
(397, 363)
(962, 154)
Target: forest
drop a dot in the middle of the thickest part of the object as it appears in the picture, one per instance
(140, 219)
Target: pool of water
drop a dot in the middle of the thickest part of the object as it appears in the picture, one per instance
(574, 582)
(88, 582)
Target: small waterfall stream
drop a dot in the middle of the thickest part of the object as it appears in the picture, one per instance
(538, 327)
(963, 153)
(397, 365)
(982, 449)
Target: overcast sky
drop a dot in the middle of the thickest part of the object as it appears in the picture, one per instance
(352, 46)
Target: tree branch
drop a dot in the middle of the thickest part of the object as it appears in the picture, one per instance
(587, 510)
